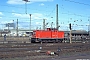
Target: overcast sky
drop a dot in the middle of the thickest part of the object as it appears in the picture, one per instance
(70, 11)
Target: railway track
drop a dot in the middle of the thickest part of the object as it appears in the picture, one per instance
(29, 49)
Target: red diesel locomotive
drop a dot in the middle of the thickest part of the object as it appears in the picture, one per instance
(48, 35)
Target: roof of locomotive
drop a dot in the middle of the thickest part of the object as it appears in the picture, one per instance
(49, 29)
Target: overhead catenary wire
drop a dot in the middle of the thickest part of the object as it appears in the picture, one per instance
(47, 15)
(71, 13)
(11, 12)
(77, 2)
(39, 10)
(44, 11)
(50, 14)
(13, 6)
(74, 14)
(34, 9)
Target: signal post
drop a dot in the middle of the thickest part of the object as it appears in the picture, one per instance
(70, 36)
(70, 33)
